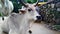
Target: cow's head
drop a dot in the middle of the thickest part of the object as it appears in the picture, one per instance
(31, 9)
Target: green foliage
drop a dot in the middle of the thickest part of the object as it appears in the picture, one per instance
(0, 14)
(57, 27)
(45, 0)
(31, 1)
(16, 5)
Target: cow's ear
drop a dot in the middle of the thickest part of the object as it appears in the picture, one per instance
(22, 11)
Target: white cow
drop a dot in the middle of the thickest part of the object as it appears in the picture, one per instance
(16, 23)
(19, 23)
(6, 7)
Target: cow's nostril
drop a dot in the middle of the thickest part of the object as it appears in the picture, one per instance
(38, 17)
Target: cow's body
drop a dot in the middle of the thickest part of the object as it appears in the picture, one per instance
(16, 24)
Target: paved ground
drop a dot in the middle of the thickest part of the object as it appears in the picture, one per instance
(39, 28)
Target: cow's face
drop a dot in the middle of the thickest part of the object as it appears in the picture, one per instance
(31, 9)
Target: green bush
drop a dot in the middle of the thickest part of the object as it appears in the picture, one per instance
(0, 14)
(57, 27)
(31, 1)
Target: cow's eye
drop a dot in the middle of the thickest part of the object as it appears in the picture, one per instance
(29, 10)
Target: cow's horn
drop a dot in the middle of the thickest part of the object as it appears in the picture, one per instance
(23, 3)
(36, 3)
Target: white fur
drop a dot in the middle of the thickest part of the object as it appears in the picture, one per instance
(16, 24)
